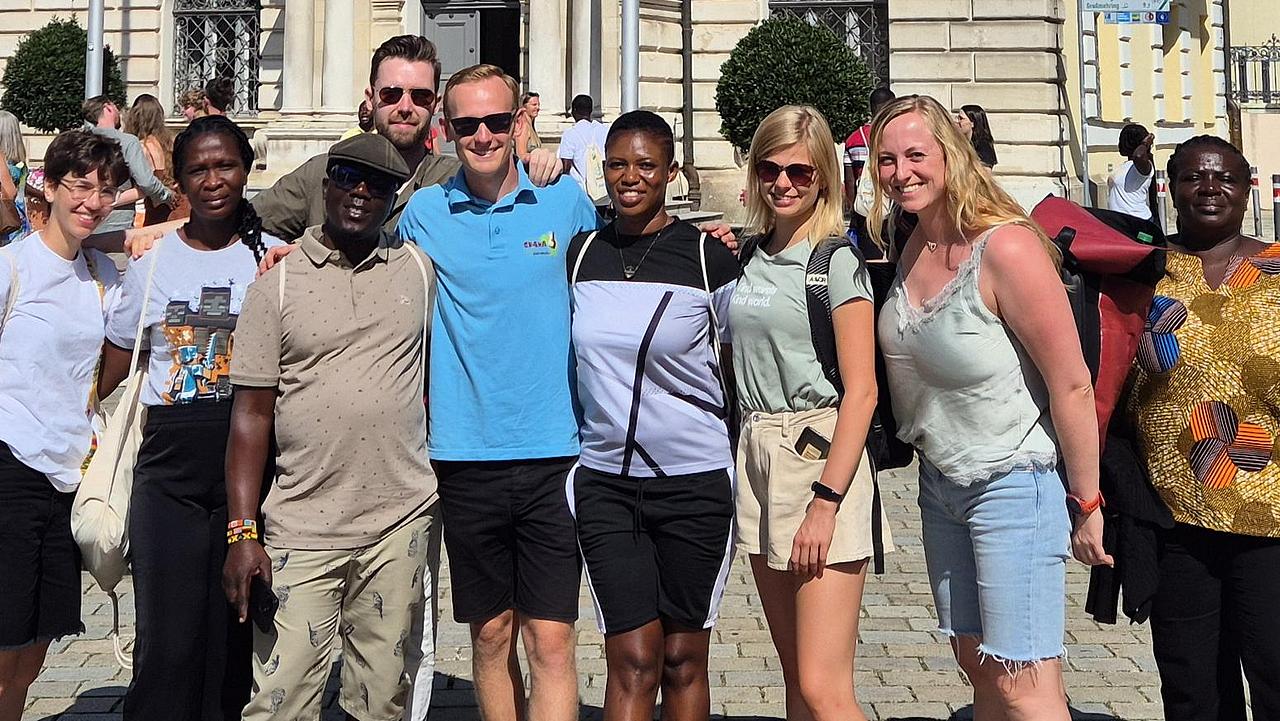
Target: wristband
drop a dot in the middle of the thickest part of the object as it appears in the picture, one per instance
(825, 492)
(1080, 507)
(248, 534)
(241, 523)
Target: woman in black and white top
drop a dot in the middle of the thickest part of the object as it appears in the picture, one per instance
(653, 491)
(191, 659)
(54, 296)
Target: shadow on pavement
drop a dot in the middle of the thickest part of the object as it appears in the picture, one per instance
(966, 714)
(101, 700)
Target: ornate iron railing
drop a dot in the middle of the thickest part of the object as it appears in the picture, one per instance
(862, 24)
(1255, 72)
(217, 39)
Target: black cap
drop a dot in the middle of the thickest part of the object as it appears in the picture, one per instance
(371, 150)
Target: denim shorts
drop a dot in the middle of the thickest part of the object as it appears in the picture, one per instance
(997, 555)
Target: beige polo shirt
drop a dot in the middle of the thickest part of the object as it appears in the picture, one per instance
(344, 347)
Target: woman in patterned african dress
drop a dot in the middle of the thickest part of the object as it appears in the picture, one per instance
(1206, 403)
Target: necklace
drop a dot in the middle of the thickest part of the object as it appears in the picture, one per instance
(932, 245)
(629, 271)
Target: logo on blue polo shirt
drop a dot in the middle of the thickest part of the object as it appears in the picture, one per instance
(544, 244)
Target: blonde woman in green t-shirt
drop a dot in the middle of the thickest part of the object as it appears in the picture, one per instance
(805, 485)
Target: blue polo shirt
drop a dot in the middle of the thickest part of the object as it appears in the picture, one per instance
(500, 356)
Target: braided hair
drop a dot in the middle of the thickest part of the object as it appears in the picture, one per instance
(1202, 142)
(248, 224)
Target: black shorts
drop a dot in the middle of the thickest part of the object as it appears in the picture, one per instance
(655, 547)
(39, 561)
(510, 538)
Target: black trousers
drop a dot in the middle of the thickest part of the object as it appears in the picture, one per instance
(1217, 608)
(191, 659)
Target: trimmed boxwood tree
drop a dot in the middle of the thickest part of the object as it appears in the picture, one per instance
(785, 61)
(44, 80)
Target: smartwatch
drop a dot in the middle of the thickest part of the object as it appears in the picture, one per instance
(1081, 508)
(825, 492)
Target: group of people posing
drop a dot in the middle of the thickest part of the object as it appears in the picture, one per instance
(465, 348)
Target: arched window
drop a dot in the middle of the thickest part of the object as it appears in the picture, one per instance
(217, 39)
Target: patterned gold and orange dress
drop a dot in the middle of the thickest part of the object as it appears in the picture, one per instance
(1206, 395)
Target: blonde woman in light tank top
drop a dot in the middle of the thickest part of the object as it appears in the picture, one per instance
(990, 385)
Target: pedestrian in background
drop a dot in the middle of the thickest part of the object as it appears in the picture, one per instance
(1129, 187)
(527, 138)
(1203, 407)
(193, 103)
(102, 117)
(805, 483)
(191, 660)
(989, 384)
(13, 177)
(220, 95)
(145, 121)
(972, 121)
(54, 295)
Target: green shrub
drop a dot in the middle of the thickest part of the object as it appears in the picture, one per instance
(785, 61)
(44, 80)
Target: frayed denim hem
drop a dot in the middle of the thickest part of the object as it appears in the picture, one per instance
(1014, 667)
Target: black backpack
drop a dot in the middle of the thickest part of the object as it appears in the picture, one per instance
(883, 447)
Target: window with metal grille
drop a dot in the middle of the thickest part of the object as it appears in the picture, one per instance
(217, 39)
(862, 24)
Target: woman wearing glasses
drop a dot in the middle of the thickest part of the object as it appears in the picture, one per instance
(805, 485)
(191, 659)
(54, 296)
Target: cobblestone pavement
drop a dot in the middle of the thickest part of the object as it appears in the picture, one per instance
(905, 670)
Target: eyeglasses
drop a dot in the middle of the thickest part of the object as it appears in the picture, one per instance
(799, 174)
(81, 190)
(496, 123)
(347, 177)
(422, 97)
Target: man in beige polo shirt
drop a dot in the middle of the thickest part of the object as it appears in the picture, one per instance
(330, 354)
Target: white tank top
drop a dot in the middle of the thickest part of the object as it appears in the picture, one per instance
(964, 391)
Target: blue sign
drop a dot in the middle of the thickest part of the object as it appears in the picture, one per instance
(1160, 17)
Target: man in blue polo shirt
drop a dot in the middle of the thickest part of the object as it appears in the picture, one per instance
(503, 433)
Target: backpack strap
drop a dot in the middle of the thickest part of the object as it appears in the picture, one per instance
(748, 249)
(817, 294)
(818, 303)
(284, 269)
(582, 253)
(11, 299)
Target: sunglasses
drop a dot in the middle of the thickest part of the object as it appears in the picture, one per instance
(422, 97)
(799, 174)
(347, 177)
(497, 123)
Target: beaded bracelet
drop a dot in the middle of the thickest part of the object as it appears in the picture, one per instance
(240, 523)
(248, 534)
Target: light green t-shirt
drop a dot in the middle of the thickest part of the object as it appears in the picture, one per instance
(773, 358)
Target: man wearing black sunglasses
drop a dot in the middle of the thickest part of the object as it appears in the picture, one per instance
(334, 348)
(504, 435)
(403, 81)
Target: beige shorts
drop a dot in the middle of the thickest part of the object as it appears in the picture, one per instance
(774, 490)
(363, 601)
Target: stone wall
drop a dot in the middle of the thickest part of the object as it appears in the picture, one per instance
(1004, 55)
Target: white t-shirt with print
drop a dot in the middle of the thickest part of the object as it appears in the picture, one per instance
(49, 350)
(194, 302)
(1128, 191)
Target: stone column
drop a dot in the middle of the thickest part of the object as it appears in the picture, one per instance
(584, 49)
(546, 54)
(337, 88)
(299, 55)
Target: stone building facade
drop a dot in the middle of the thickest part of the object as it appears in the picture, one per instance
(1016, 58)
